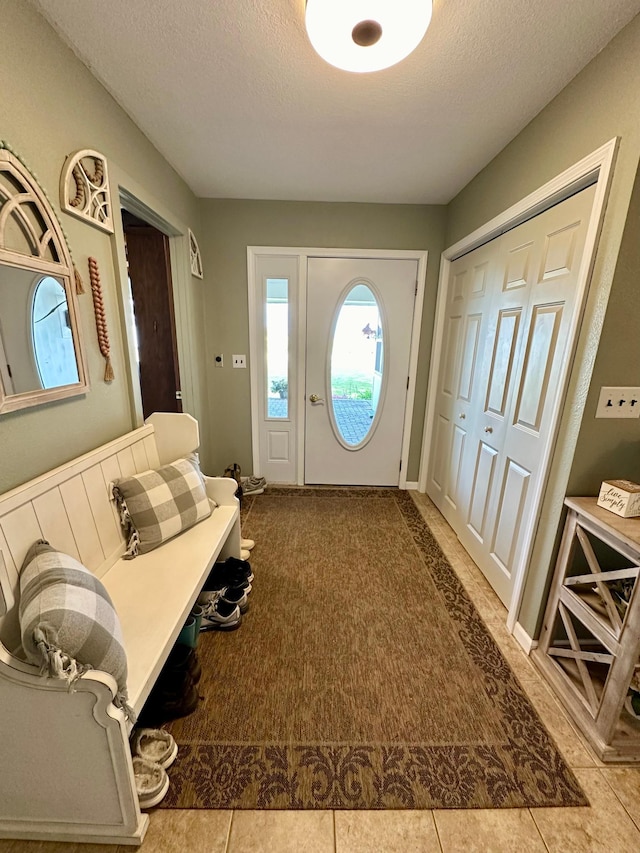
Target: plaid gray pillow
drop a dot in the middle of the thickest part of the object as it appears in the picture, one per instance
(157, 505)
(68, 623)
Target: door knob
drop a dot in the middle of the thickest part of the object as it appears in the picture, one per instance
(315, 399)
(488, 429)
(462, 416)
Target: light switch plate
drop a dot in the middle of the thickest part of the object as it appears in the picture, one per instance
(619, 402)
(239, 360)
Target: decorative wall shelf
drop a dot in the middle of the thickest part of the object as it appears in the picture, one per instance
(590, 642)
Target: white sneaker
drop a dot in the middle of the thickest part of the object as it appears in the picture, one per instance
(156, 745)
(219, 615)
(253, 485)
(208, 597)
(152, 782)
(247, 544)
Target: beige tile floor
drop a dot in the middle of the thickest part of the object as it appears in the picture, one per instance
(611, 823)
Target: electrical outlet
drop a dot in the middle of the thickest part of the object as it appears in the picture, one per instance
(622, 402)
(218, 360)
(239, 360)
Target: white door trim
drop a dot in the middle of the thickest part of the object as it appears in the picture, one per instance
(595, 168)
(134, 198)
(303, 254)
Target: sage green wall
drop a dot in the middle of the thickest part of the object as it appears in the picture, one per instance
(231, 225)
(51, 106)
(603, 101)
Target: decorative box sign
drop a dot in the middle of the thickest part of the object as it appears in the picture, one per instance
(621, 497)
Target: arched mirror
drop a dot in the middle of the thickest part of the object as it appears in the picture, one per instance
(40, 347)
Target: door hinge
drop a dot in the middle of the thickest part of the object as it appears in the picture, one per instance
(408, 377)
(178, 395)
(400, 468)
(415, 292)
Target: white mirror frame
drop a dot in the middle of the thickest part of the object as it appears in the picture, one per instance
(49, 255)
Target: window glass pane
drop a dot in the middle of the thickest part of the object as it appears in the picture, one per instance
(277, 331)
(356, 364)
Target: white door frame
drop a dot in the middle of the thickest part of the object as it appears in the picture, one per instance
(256, 345)
(595, 168)
(134, 198)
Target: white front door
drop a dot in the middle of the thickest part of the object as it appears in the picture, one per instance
(511, 313)
(359, 326)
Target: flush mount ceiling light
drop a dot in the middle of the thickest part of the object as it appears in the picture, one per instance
(366, 35)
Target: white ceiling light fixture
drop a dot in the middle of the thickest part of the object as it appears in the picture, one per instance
(366, 35)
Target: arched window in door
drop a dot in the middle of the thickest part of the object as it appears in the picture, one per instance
(357, 366)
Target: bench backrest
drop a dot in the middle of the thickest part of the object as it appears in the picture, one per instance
(71, 507)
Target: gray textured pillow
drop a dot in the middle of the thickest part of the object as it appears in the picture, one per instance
(68, 623)
(156, 505)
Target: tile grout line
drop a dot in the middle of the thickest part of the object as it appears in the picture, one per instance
(226, 846)
(615, 794)
(538, 830)
(435, 825)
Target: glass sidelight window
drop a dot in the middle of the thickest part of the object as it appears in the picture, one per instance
(277, 335)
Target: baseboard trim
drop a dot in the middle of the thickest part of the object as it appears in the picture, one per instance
(527, 643)
(412, 484)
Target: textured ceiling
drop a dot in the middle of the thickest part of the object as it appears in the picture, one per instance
(234, 96)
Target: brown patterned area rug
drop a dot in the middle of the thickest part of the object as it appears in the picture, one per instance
(362, 677)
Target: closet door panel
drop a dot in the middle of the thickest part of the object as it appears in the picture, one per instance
(517, 303)
(469, 357)
(451, 359)
(440, 443)
(455, 465)
(537, 366)
(483, 475)
(502, 360)
(517, 267)
(509, 516)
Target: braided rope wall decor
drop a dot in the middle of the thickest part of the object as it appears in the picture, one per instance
(84, 189)
(101, 321)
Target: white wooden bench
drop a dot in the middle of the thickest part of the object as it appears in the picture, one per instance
(66, 771)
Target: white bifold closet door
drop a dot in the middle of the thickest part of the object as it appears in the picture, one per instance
(511, 313)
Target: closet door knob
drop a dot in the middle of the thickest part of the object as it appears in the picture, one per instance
(462, 416)
(488, 429)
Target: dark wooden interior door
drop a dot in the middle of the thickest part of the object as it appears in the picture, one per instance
(152, 292)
